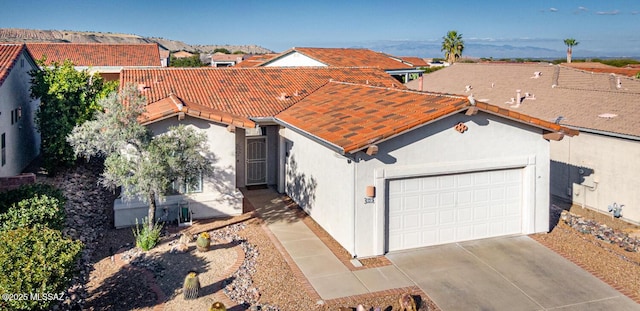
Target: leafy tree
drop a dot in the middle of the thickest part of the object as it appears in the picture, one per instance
(239, 52)
(68, 97)
(222, 50)
(570, 43)
(637, 75)
(452, 46)
(142, 164)
(192, 61)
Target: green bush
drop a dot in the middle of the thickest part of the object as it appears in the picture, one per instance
(146, 238)
(39, 211)
(9, 198)
(35, 261)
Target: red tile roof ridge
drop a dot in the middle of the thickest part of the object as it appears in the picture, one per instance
(159, 110)
(403, 90)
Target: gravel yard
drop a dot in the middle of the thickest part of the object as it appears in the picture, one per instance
(107, 283)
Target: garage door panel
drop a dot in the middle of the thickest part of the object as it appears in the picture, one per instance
(447, 199)
(429, 219)
(446, 217)
(450, 208)
(411, 203)
(464, 197)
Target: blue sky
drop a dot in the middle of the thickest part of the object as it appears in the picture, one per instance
(603, 27)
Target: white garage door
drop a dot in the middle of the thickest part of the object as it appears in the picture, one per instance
(451, 208)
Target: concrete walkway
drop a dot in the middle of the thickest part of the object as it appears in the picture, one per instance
(511, 273)
(325, 272)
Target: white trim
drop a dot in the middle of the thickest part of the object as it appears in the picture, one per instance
(266, 162)
(382, 175)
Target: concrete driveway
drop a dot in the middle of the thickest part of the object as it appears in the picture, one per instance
(513, 273)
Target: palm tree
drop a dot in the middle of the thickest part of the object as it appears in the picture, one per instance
(452, 46)
(570, 43)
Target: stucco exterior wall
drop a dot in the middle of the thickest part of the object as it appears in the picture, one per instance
(489, 143)
(595, 171)
(219, 197)
(22, 139)
(321, 182)
(296, 59)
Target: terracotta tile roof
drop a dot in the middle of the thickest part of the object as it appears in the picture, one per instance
(97, 54)
(414, 61)
(9, 55)
(227, 57)
(602, 68)
(172, 106)
(255, 60)
(343, 57)
(246, 92)
(354, 116)
(579, 99)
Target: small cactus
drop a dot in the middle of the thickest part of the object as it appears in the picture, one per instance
(203, 242)
(191, 286)
(218, 306)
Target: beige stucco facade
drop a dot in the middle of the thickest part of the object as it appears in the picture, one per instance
(219, 196)
(597, 170)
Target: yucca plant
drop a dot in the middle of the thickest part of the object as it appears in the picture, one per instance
(146, 238)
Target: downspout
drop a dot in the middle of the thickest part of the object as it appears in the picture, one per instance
(355, 202)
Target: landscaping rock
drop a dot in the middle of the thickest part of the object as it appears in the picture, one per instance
(602, 231)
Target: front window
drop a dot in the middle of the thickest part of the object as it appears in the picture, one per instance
(3, 143)
(189, 185)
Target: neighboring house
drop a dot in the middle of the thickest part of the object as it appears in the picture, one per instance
(255, 60)
(164, 57)
(343, 57)
(379, 167)
(19, 137)
(103, 58)
(413, 61)
(182, 54)
(628, 71)
(226, 60)
(593, 170)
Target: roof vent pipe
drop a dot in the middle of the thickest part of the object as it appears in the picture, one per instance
(518, 97)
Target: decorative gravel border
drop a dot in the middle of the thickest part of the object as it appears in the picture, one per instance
(313, 294)
(587, 268)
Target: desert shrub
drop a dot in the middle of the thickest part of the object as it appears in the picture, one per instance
(35, 261)
(146, 238)
(9, 198)
(39, 211)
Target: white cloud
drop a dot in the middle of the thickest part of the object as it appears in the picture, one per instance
(635, 12)
(614, 12)
(581, 9)
(553, 10)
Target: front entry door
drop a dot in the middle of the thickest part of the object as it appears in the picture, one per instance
(256, 168)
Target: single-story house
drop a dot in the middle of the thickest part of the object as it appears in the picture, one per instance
(254, 60)
(104, 58)
(344, 57)
(235, 106)
(226, 60)
(597, 168)
(19, 137)
(379, 167)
